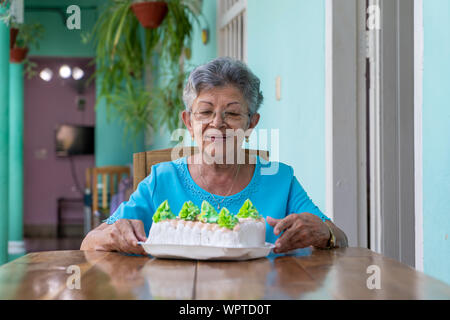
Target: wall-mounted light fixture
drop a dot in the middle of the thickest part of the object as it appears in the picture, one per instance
(65, 72)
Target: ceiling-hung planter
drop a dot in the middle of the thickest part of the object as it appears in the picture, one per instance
(12, 36)
(27, 38)
(150, 14)
(125, 54)
(17, 55)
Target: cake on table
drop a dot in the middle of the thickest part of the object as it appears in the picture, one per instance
(205, 227)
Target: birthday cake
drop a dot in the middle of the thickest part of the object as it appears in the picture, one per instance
(205, 227)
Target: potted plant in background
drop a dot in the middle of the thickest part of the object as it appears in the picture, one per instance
(22, 38)
(28, 36)
(12, 36)
(126, 54)
(150, 13)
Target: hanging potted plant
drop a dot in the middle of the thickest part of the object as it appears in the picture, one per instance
(125, 54)
(28, 36)
(12, 36)
(150, 13)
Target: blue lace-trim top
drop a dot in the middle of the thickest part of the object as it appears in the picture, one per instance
(273, 189)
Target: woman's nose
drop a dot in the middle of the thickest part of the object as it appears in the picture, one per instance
(218, 120)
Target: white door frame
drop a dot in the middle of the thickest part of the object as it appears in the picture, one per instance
(418, 103)
(345, 119)
(396, 131)
(385, 220)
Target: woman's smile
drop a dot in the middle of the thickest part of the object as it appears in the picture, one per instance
(217, 137)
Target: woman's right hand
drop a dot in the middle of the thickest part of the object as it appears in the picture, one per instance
(123, 236)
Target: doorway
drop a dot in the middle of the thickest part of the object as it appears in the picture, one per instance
(55, 184)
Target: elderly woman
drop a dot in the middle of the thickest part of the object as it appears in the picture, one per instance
(222, 99)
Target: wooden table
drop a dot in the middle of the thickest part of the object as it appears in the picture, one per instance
(304, 274)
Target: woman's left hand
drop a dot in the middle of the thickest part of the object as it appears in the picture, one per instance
(300, 231)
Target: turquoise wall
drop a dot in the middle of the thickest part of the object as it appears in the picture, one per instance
(202, 53)
(4, 138)
(436, 139)
(16, 158)
(112, 146)
(58, 40)
(298, 25)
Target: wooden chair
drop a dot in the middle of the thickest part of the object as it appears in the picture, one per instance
(109, 178)
(143, 161)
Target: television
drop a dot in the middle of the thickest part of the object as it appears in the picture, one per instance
(74, 140)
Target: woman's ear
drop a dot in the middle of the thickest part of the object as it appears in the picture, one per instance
(254, 120)
(186, 117)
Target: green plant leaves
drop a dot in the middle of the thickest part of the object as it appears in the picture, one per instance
(124, 52)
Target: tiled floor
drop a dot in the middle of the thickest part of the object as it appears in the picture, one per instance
(50, 244)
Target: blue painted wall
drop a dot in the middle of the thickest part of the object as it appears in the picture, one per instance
(58, 40)
(287, 39)
(202, 53)
(436, 139)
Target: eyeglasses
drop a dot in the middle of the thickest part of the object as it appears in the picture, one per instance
(229, 117)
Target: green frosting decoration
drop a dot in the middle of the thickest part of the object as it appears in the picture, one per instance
(189, 211)
(208, 213)
(163, 212)
(248, 211)
(226, 219)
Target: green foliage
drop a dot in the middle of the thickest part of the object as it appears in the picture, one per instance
(6, 16)
(28, 37)
(29, 34)
(124, 51)
(167, 102)
(29, 68)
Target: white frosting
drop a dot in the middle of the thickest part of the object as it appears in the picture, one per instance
(248, 233)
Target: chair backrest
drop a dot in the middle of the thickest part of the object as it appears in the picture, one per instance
(143, 161)
(109, 178)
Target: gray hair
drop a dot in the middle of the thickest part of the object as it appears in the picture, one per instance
(220, 72)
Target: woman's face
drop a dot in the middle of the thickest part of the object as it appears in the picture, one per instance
(218, 121)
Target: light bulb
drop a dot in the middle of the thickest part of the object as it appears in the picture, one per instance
(46, 74)
(65, 71)
(77, 73)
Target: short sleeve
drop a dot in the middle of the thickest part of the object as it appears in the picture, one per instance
(299, 201)
(139, 206)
